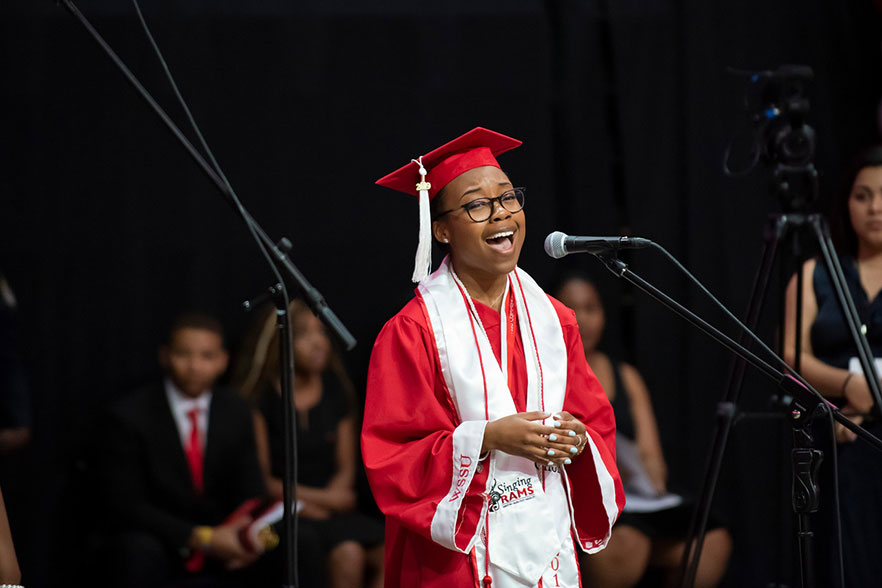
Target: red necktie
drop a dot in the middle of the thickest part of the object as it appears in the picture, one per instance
(194, 460)
(194, 450)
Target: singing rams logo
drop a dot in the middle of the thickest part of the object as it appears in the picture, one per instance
(506, 494)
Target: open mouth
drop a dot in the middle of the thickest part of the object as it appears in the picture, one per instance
(502, 241)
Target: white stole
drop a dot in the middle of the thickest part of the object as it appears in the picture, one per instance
(528, 525)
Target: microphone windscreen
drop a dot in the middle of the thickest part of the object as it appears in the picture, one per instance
(554, 244)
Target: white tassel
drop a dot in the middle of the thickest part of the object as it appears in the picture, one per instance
(422, 265)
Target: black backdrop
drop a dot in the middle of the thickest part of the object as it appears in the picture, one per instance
(625, 108)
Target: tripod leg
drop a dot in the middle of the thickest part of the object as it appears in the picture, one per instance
(727, 409)
(849, 311)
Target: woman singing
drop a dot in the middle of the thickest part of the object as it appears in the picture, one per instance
(488, 442)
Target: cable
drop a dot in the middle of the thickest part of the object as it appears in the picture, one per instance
(737, 321)
(754, 153)
(794, 374)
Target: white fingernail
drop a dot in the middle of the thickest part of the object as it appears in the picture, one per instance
(550, 452)
(552, 437)
(572, 433)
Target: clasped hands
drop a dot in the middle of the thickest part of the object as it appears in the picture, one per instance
(858, 402)
(524, 435)
(223, 543)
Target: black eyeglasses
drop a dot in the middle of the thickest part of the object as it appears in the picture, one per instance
(481, 209)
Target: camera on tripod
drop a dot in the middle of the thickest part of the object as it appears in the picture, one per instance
(781, 138)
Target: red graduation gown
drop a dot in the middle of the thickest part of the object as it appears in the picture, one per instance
(407, 443)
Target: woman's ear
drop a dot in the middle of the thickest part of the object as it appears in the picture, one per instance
(439, 231)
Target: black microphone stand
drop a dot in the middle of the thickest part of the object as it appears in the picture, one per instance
(280, 299)
(279, 260)
(807, 402)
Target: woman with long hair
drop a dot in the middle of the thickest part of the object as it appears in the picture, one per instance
(828, 361)
(651, 536)
(329, 525)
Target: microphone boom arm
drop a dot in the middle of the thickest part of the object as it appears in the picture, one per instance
(806, 398)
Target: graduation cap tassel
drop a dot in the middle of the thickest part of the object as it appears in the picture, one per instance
(423, 262)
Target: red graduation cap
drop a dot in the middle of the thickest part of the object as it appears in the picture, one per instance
(474, 149)
(428, 174)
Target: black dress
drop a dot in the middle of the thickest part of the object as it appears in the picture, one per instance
(669, 523)
(860, 466)
(316, 446)
(316, 433)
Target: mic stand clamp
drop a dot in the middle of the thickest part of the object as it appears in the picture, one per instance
(805, 496)
(806, 462)
(270, 294)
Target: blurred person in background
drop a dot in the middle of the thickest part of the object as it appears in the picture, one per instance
(15, 413)
(339, 546)
(651, 532)
(9, 571)
(828, 360)
(176, 459)
(15, 431)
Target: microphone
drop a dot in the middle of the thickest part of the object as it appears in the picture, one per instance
(559, 244)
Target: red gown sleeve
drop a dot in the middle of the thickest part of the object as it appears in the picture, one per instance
(414, 464)
(595, 508)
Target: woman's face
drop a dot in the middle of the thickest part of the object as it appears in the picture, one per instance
(311, 344)
(584, 299)
(865, 207)
(488, 248)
